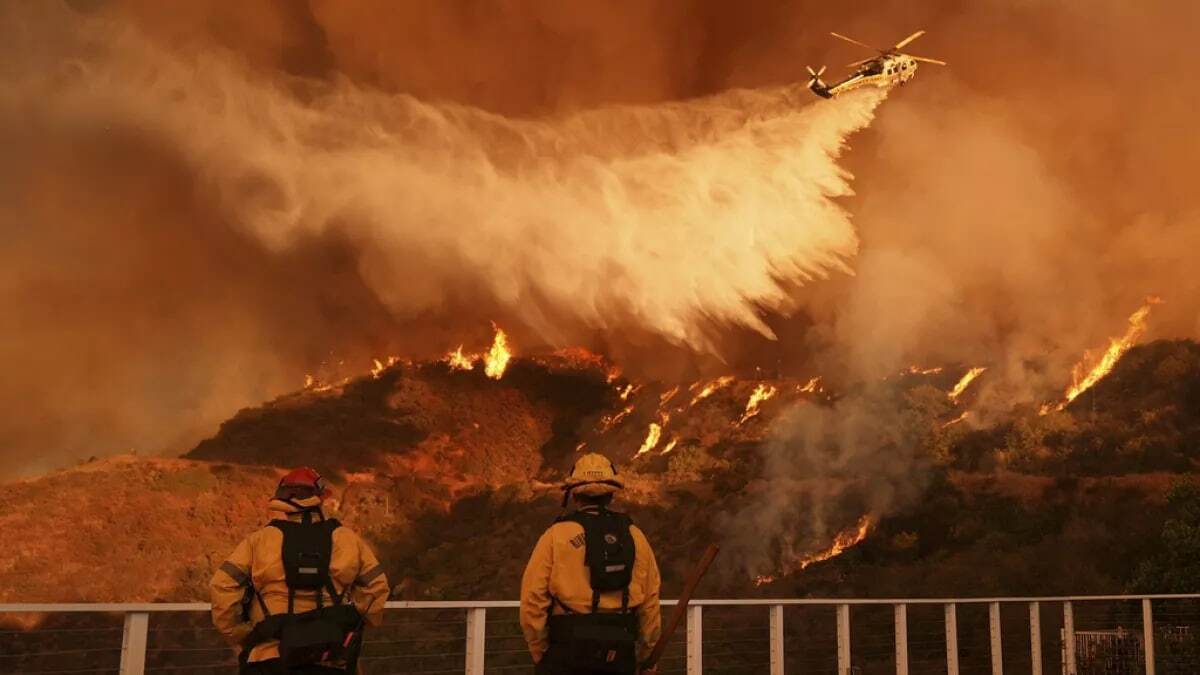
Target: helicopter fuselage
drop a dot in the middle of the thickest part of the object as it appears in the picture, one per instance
(885, 71)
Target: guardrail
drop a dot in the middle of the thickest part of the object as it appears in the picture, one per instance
(802, 646)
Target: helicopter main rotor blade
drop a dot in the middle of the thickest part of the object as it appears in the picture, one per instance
(856, 42)
(923, 59)
(909, 39)
(859, 63)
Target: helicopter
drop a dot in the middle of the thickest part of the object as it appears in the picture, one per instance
(891, 67)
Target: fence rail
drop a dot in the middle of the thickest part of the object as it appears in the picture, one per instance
(1119, 636)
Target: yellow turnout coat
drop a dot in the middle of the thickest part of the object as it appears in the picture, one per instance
(557, 569)
(258, 560)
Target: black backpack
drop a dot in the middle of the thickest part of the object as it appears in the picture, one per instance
(331, 634)
(602, 641)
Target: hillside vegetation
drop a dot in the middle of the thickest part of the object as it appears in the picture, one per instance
(452, 476)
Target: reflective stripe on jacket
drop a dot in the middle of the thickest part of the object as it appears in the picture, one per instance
(258, 560)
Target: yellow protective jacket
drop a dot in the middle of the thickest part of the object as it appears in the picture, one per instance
(258, 559)
(557, 569)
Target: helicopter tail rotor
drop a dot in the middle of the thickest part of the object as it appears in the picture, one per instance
(816, 75)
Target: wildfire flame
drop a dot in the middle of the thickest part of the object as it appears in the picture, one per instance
(710, 388)
(965, 382)
(670, 446)
(956, 420)
(761, 394)
(668, 395)
(918, 370)
(311, 383)
(844, 540)
(813, 386)
(652, 437)
(609, 421)
(380, 366)
(459, 361)
(495, 361)
(1083, 378)
(841, 542)
(629, 389)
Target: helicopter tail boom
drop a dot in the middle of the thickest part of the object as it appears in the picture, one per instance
(817, 86)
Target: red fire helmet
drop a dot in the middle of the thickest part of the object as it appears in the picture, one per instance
(302, 483)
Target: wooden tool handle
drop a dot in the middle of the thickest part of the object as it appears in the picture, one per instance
(680, 610)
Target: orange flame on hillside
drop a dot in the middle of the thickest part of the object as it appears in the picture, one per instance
(761, 394)
(311, 383)
(380, 366)
(841, 542)
(918, 370)
(813, 386)
(459, 361)
(956, 420)
(1083, 378)
(670, 446)
(668, 395)
(965, 382)
(844, 540)
(609, 421)
(653, 435)
(495, 361)
(711, 388)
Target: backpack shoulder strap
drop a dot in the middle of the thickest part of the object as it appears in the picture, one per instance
(331, 525)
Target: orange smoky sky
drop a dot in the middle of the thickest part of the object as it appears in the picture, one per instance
(203, 201)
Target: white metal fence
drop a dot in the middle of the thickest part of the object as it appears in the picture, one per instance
(776, 636)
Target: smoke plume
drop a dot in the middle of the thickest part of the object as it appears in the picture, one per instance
(823, 468)
(202, 201)
(672, 218)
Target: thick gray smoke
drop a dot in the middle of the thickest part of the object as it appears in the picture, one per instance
(824, 468)
(669, 219)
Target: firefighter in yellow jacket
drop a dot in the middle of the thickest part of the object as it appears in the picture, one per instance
(589, 596)
(301, 565)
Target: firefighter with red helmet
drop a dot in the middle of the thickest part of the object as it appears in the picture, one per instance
(294, 596)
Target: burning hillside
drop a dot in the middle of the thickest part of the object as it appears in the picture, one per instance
(429, 458)
(651, 182)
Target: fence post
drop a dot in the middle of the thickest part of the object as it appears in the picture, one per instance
(777, 640)
(901, 621)
(1148, 634)
(1035, 638)
(951, 639)
(476, 639)
(843, 639)
(1068, 639)
(997, 638)
(133, 643)
(695, 640)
